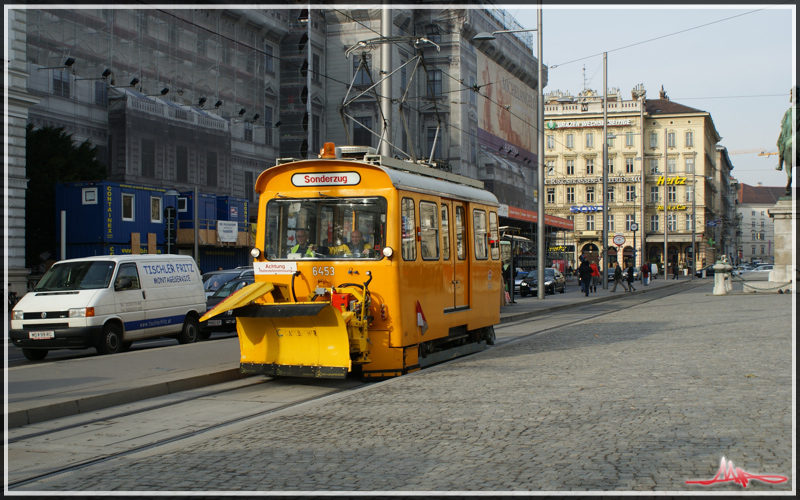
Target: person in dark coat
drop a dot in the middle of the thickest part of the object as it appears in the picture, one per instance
(630, 278)
(585, 275)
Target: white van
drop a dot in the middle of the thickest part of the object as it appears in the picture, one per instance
(109, 301)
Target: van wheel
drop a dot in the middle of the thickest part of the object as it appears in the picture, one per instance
(35, 354)
(190, 331)
(110, 339)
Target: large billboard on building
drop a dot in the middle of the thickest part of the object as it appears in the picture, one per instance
(507, 115)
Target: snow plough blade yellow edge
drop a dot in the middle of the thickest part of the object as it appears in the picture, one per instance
(290, 339)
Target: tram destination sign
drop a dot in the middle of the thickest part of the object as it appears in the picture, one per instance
(326, 179)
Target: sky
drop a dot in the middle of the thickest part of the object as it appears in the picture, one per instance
(739, 69)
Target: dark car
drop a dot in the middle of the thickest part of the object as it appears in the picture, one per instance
(553, 280)
(213, 280)
(709, 270)
(225, 322)
(610, 272)
(518, 279)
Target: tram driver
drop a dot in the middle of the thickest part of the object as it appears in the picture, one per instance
(357, 247)
(302, 247)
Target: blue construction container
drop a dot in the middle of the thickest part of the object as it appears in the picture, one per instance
(206, 211)
(105, 213)
(231, 208)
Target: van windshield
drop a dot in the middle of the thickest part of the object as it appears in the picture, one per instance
(325, 228)
(86, 275)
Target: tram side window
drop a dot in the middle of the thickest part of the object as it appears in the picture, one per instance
(429, 230)
(481, 235)
(494, 235)
(461, 248)
(445, 233)
(409, 246)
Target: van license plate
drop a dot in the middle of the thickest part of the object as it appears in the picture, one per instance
(41, 335)
(215, 322)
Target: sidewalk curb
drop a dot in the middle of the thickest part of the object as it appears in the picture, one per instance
(53, 411)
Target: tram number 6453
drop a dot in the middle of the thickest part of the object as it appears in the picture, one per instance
(322, 271)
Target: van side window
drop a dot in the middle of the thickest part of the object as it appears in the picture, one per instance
(408, 227)
(128, 271)
(494, 238)
(429, 228)
(481, 235)
(445, 233)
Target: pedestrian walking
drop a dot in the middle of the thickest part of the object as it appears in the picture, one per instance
(646, 273)
(630, 278)
(569, 272)
(674, 270)
(618, 278)
(595, 275)
(585, 276)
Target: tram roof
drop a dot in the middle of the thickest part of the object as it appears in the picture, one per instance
(430, 185)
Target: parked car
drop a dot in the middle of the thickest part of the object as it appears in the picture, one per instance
(213, 280)
(225, 322)
(107, 302)
(553, 280)
(709, 270)
(624, 276)
(518, 279)
(763, 268)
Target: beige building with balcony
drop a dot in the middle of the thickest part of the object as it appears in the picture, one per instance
(660, 153)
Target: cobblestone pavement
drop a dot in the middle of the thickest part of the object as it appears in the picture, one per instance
(642, 400)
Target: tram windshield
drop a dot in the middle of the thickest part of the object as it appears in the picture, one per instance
(325, 228)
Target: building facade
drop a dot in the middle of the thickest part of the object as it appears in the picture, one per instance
(207, 99)
(758, 233)
(665, 177)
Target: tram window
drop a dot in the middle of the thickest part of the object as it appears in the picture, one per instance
(481, 236)
(335, 228)
(461, 249)
(409, 245)
(429, 230)
(445, 233)
(494, 238)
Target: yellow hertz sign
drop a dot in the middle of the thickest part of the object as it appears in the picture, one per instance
(672, 207)
(672, 181)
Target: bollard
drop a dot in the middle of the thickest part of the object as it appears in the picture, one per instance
(719, 279)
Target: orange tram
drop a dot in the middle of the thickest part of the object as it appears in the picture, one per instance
(367, 264)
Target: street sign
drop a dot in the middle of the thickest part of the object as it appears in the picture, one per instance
(711, 223)
(619, 240)
(634, 226)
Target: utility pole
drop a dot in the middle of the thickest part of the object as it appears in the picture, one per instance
(386, 84)
(604, 239)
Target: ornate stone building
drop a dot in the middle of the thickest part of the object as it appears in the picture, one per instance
(664, 172)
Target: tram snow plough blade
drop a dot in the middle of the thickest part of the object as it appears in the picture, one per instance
(290, 339)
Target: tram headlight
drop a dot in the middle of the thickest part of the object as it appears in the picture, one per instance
(387, 252)
(255, 252)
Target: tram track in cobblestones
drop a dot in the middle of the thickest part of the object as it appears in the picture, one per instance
(617, 306)
(350, 385)
(547, 323)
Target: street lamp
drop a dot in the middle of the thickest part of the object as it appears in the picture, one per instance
(484, 36)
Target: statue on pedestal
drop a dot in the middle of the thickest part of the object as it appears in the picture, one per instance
(786, 140)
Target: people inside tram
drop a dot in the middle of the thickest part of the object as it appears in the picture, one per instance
(357, 247)
(302, 247)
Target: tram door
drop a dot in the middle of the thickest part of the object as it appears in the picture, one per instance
(461, 262)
